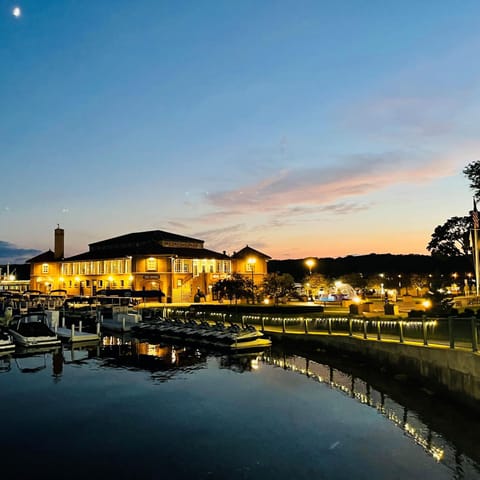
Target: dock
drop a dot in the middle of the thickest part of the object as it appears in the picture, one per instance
(76, 335)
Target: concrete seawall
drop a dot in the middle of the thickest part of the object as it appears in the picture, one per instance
(456, 372)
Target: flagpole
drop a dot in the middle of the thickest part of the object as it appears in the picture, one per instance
(476, 227)
(475, 252)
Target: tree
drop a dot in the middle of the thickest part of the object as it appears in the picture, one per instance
(472, 172)
(233, 288)
(356, 280)
(315, 282)
(452, 239)
(278, 285)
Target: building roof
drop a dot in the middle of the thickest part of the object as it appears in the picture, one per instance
(248, 251)
(149, 250)
(48, 256)
(142, 239)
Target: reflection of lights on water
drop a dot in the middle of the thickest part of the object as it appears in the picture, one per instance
(436, 452)
(174, 355)
(109, 341)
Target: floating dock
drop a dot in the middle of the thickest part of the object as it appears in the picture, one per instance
(76, 335)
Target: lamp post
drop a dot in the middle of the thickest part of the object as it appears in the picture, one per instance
(310, 262)
(251, 262)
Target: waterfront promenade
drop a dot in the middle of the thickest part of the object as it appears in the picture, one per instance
(440, 352)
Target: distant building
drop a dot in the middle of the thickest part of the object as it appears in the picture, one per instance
(172, 267)
(14, 278)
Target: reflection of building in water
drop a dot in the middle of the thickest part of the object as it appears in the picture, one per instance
(167, 360)
(164, 361)
(433, 443)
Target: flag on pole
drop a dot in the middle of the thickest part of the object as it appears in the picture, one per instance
(475, 218)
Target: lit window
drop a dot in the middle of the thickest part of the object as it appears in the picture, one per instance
(45, 268)
(151, 264)
(178, 266)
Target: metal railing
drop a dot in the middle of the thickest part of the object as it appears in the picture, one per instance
(448, 332)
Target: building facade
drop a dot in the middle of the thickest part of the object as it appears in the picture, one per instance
(163, 265)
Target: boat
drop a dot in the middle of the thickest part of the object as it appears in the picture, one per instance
(6, 341)
(233, 337)
(32, 330)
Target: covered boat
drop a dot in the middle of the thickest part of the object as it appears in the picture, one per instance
(32, 330)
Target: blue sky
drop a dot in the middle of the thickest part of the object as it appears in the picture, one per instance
(300, 128)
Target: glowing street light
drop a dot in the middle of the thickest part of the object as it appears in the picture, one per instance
(310, 263)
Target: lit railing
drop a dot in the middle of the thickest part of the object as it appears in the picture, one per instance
(451, 332)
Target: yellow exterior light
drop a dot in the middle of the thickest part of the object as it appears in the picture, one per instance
(61, 279)
(77, 279)
(427, 303)
(310, 263)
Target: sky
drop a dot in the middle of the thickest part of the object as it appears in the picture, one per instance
(301, 128)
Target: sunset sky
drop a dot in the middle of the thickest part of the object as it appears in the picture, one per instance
(301, 128)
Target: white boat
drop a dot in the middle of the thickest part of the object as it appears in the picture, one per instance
(32, 330)
(6, 340)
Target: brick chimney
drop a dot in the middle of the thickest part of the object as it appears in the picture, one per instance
(59, 243)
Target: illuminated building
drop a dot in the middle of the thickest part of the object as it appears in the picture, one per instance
(251, 264)
(161, 265)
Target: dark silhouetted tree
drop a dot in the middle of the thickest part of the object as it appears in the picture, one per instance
(278, 285)
(232, 288)
(472, 172)
(452, 239)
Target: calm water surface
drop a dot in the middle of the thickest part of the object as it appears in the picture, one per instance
(129, 409)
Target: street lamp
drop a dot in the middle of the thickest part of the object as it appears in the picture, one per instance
(310, 262)
(251, 263)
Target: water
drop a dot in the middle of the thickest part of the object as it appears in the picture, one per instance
(128, 409)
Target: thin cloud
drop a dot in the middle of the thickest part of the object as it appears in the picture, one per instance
(177, 225)
(10, 253)
(353, 175)
(408, 115)
(225, 238)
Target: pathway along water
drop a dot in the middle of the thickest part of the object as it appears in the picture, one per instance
(130, 409)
